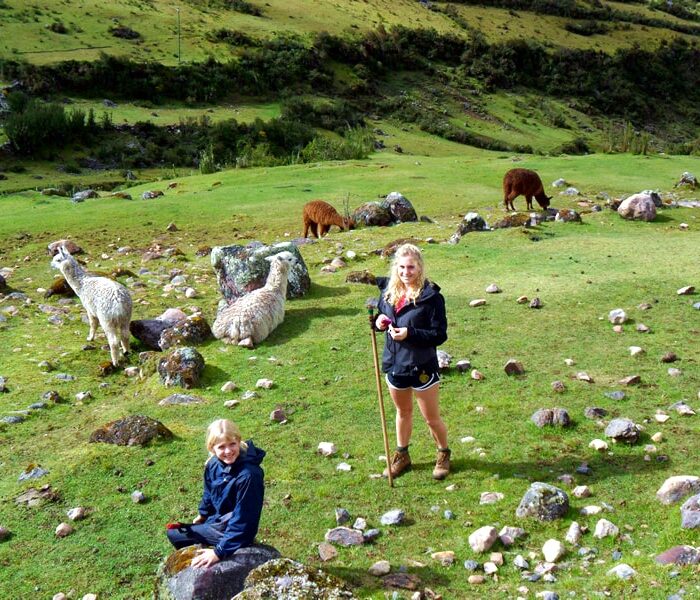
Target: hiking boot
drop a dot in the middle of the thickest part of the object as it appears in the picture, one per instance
(400, 461)
(442, 464)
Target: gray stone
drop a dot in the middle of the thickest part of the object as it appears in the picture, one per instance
(84, 195)
(594, 412)
(393, 517)
(182, 367)
(371, 534)
(148, 331)
(567, 215)
(638, 207)
(677, 487)
(679, 555)
(180, 399)
(12, 419)
(193, 330)
(344, 536)
(623, 571)
(342, 516)
(622, 430)
(617, 316)
(242, 269)
(471, 565)
(536, 303)
(178, 581)
(616, 395)
(551, 416)
(372, 214)
(131, 431)
(690, 513)
(471, 222)
(33, 473)
(400, 208)
(544, 502)
(514, 367)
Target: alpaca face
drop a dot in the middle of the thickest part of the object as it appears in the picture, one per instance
(61, 257)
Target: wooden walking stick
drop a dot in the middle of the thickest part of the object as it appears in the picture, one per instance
(371, 305)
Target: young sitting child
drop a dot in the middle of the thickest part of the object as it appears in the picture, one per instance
(229, 512)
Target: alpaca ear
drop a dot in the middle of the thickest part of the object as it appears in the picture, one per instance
(270, 258)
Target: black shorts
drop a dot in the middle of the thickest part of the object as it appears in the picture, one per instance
(419, 382)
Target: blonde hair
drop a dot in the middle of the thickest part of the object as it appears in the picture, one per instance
(395, 290)
(223, 430)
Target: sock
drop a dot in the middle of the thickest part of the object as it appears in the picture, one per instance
(445, 450)
(402, 448)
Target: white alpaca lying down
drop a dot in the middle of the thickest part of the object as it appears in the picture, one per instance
(251, 318)
(107, 302)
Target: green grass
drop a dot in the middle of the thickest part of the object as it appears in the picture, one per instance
(579, 271)
(129, 112)
(25, 33)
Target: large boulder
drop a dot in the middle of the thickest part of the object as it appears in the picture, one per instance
(134, 430)
(190, 331)
(372, 214)
(622, 430)
(638, 207)
(284, 578)
(242, 269)
(400, 207)
(183, 367)
(690, 513)
(544, 502)
(178, 581)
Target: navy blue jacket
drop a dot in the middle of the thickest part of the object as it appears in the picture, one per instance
(427, 328)
(233, 498)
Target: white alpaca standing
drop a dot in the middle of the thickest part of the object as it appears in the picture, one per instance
(251, 318)
(107, 302)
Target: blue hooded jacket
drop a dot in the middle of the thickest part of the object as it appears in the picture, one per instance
(233, 498)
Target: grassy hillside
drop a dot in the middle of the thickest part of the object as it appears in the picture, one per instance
(87, 24)
(319, 359)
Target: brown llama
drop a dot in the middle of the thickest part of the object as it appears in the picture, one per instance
(527, 183)
(319, 216)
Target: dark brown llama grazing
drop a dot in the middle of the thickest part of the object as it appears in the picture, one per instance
(524, 182)
(319, 216)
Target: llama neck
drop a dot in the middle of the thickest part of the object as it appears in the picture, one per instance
(74, 275)
(277, 279)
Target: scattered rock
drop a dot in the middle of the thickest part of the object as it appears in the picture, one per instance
(680, 556)
(446, 557)
(483, 538)
(493, 289)
(622, 430)
(490, 497)
(636, 350)
(32, 472)
(630, 380)
(514, 367)
(509, 535)
(264, 384)
(131, 431)
(76, 514)
(690, 513)
(574, 533)
(180, 399)
(617, 316)
(344, 536)
(669, 357)
(551, 416)
(444, 359)
(686, 291)
(536, 303)
(544, 502)
(604, 528)
(326, 448)
(616, 395)
(581, 491)
(182, 367)
(326, 551)
(477, 375)
(598, 445)
(553, 550)
(623, 571)
(558, 386)
(361, 277)
(393, 517)
(477, 302)
(677, 487)
(138, 497)
(583, 376)
(380, 568)
(63, 530)
(404, 581)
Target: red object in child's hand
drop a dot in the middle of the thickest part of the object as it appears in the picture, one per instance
(386, 321)
(173, 525)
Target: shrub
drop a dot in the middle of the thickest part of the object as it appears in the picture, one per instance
(206, 161)
(242, 6)
(58, 27)
(125, 33)
(38, 128)
(587, 28)
(577, 146)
